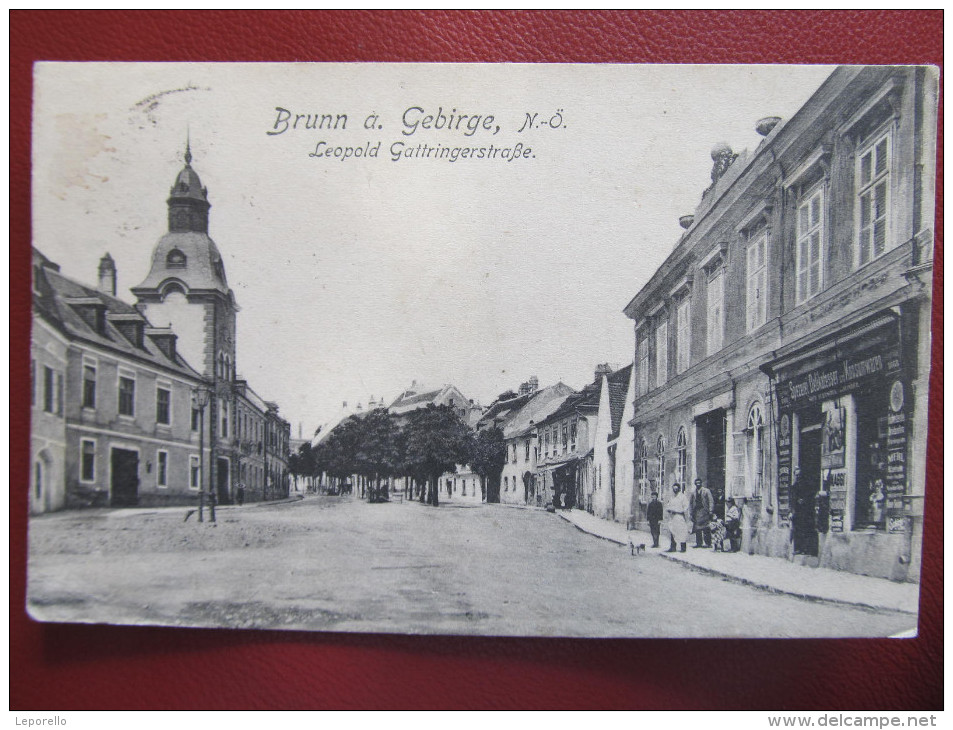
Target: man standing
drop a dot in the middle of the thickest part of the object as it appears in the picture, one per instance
(654, 515)
(677, 509)
(703, 505)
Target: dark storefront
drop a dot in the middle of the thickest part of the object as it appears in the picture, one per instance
(843, 406)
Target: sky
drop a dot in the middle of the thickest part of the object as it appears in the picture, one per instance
(357, 276)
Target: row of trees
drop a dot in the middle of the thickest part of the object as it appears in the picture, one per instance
(421, 445)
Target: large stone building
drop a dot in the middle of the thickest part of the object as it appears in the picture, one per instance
(112, 420)
(115, 418)
(789, 329)
(187, 290)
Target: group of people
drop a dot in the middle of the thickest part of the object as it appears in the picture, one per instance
(694, 514)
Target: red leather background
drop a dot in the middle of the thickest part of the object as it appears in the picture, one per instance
(60, 667)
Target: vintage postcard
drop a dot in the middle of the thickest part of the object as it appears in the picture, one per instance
(536, 350)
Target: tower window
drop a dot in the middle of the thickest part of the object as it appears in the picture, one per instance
(175, 259)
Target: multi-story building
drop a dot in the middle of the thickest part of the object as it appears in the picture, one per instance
(112, 418)
(564, 439)
(187, 290)
(788, 332)
(518, 477)
(119, 409)
(612, 451)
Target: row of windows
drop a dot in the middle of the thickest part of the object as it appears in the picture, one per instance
(753, 453)
(127, 395)
(87, 466)
(872, 225)
(567, 430)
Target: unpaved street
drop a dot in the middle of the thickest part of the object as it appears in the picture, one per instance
(328, 563)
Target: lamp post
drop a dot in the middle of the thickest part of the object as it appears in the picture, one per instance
(200, 398)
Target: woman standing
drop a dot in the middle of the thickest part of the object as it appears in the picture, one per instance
(677, 508)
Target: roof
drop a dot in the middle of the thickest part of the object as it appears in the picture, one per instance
(51, 301)
(542, 403)
(203, 269)
(587, 398)
(500, 412)
(618, 390)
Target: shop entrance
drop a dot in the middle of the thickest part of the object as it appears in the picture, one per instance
(222, 479)
(125, 477)
(806, 487)
(712, 427)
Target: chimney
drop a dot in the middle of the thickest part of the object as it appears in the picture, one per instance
(344, 404)
(602, 369)
(299, 430)
(107, 275)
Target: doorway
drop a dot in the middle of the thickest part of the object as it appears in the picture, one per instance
(807, 486)
(221, 478)
(125, 477)
(713, 426)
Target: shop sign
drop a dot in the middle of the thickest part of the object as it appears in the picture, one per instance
(832, 439)
(838, 377)
(837, 519)
(784, 463)
(835, 483)
(897, 523)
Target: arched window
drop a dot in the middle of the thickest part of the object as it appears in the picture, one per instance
(660, 473)
(175, 259)
(754, 451)
(681, 457)
(644, 470)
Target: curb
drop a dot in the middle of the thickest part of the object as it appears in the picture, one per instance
(749, 582)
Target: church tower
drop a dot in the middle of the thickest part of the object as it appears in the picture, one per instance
(186, 288)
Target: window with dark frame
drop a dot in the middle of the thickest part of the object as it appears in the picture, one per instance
(127, 396)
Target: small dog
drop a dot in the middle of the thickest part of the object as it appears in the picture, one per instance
(636, 549)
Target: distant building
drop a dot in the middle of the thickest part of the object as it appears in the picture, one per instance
(612, 451)
(789, 329)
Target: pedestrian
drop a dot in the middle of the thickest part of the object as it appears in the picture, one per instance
(677, 509)
(654, 515)
(733, 525)
(803, 528)
(702, 509)
(240, 494)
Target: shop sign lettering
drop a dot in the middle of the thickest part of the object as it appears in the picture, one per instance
(837, 520)
(837, 377)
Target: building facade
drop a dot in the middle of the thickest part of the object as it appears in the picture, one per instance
(612, 451)
(782, 350)
(121, 394)
(116, 421)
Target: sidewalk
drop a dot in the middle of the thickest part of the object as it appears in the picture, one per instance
(773, 574)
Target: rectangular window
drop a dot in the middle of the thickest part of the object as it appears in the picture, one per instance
(162, 468)
(716, 297)
(573, 426)
(195, 418)
(643, 366)
(194, 472)
(127, 396)
(48, 389)
(661, 354)
(526, 451)
(810, 242)
(224, 418)
(873, 186)
(87, 466)
(683, 335)
(163, 406)
(565, 437)
(89, 386)
(59, 394)
(756, 299)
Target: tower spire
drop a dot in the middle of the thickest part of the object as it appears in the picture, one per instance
(188, 147)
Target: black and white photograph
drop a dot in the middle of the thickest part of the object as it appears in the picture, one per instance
(561, 350)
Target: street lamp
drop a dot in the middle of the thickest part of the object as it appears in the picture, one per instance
(200, 398)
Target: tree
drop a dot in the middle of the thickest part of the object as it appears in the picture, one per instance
(437, 440)
(378, 450)
(489, 457)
